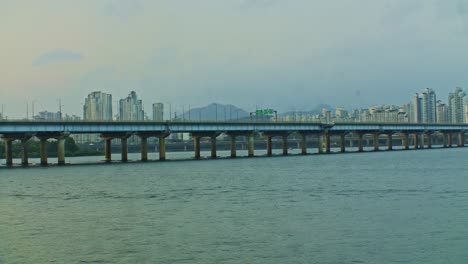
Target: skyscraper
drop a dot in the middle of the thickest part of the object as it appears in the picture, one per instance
(428, 106)
(417, 115)
(455, 106)
(158, 112)
(98, 107)
(441, 113)
(131, 108)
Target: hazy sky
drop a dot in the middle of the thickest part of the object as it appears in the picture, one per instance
(284, 54)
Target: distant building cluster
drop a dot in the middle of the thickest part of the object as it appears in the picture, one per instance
(423, 108)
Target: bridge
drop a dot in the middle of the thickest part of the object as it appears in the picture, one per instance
(23, 131)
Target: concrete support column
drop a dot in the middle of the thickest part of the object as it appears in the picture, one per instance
(43, 151)
(421, 141)
(24, 152)
(303, 144)
(9, 151)
(389, 142)
(429, 140)
(326, 138)
(416, 141)
(144, 148)
(376, 142)
(342, 143)
(285, 145)
(108, 149)
(213, 147)
(268, 145)
(196, 146)
(461, 139)
(61, 151)
(250, 143)
(449, 140)
(360, 146)
(406, 141)
(162, 148)
(124, 144)
(233, 146)
(320, 143)
(444, 140)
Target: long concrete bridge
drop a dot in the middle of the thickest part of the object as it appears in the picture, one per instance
(24, 130)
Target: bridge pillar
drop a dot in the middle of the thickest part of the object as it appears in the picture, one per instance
(389, 141)
(24, 151)
(162, 148)
(461, 139)
(43, 151)
(326, 139)
(429, 140)
(405, 141)
(61, 150)
(124, 145)
(285, 145)
(250, 143)
(233, 146)
(8, 151)
(303, 144)
(416, 141)
(108, 149)
(376, 142)
(342, 143)
(213, 147)
(360, 146)
(449, 139)
(196, 146)
(320, 143)
(268, 145)
(144, 148)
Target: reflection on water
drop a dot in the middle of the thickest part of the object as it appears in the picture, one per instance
(386, 207)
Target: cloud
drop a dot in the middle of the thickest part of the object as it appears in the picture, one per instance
(57, 56)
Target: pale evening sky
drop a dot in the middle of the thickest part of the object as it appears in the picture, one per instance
(283, 54)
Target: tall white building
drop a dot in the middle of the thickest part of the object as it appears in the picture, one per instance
(98, 107)
(442, 112)
(465, 107)
(455, 106)
(131, 108)
(428, 106)
(158, 112)
(416, 109)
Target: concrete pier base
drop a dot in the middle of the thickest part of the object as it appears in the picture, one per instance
(342, 143)
(108, 149)
(405, 141)
(429, 140)
(389, 142)
(61, 151)
(449, 140)
(144, 148)
(376, 142)
(233, 146)
(124, 150)
(416, 141)
(9, 152)
(303, 144)
(24, 152)
(360, 146)
(285, 145)
(268, 145)
(213, 147)
(326, 139)
(250, 143)
(43, 151)
(196, 146)
(461, 139)
(162, 148)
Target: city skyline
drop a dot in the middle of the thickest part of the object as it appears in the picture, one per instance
(289, 54)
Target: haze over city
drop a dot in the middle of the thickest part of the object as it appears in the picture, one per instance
(287, 55)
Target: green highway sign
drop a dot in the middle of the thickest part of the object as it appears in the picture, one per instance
(264, 112)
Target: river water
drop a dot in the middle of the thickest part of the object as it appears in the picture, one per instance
(384, 207)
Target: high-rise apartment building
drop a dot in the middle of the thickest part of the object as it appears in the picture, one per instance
(131, 108)
(442, 112)
(465, 107)
(455, 106)
(428, 106)
(158, 112)
(417, 109)
(98, 107)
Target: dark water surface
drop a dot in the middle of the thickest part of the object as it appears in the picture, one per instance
(385, 207)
